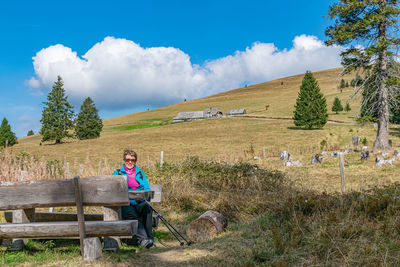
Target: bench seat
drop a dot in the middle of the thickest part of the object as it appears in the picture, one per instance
(68, 229)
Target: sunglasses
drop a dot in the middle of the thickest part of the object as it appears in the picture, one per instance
(130, 160)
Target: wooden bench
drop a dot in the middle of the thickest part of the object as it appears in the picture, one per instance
(44, 216)
(108, 191)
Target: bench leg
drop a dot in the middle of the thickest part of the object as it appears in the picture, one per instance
(22, 216)
(112, 243)
(92, 249)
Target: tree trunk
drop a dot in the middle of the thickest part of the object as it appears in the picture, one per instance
(382, 137)
(207, 226)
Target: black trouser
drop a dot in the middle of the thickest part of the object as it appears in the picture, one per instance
(143, 213)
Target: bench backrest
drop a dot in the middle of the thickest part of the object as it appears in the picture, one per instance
(107, 190)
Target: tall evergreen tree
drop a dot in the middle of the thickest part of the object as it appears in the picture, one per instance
(373, 24)
(7, 134)
(88, 123)
(57, 115)
(310, 109)
(337, 105)
(30, 132)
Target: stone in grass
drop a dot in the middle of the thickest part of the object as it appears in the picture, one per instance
(317, 158)
(364, 155)
(334, 154)
(293, 163)
(348, 150)
(381, 161)
(365, 148)
(356, 141)
(284, 155)
(396, 154)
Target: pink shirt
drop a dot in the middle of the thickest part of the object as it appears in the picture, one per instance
(131, 178)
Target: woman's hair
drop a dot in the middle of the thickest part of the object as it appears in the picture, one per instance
(131, 153)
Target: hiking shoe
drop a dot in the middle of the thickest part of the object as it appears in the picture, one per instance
(147, 243)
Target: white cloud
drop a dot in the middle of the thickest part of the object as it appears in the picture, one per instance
(118, 73)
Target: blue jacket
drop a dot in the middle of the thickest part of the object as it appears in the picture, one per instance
(140, 178)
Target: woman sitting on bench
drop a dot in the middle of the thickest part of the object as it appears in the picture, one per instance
(137, 210)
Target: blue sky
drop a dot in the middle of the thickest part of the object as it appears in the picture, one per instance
(134, 55)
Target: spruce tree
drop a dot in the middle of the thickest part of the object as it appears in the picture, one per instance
(88, 123)
(371, 30)
(30, 132)
(57, 115)
(310, 109)
(7, 134)
(337, 105)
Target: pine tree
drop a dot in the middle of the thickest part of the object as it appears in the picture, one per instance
(30, 132)
(337, 105)
(57, 116)
(347, 108)
(88, 123)
(370, 28)
(310, 109)
(6, 135)
(347, 84)
(353, 83)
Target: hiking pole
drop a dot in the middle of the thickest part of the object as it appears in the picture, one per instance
(168, 225)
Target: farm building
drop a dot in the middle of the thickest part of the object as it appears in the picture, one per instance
(208, 113)
(189, 116)
(212, 113)
(240, 111)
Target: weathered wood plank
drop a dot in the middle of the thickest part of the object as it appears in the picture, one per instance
(42, 216)
(110, 190)
(140, 195)
(157, 192)
(68, 229)
(65, 216)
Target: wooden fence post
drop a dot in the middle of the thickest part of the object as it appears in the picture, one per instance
(67, 170)
(342, 178)
(162, 159)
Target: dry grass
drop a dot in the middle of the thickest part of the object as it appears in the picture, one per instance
(224, 140)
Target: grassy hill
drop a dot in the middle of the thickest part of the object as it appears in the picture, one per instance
(229, 139)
